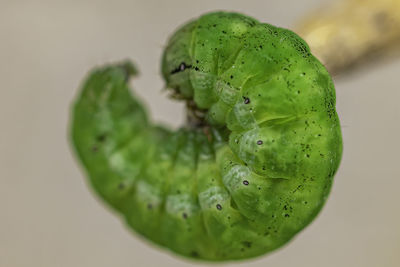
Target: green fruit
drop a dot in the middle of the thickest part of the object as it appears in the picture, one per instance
(254, 166)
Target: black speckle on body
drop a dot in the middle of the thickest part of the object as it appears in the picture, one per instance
(247, 244)
(101, 138)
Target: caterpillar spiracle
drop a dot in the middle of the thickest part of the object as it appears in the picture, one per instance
(252, 168)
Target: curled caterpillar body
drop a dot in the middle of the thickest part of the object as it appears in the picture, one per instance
(257, 170)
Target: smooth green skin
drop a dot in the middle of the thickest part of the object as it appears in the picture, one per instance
(260, 175)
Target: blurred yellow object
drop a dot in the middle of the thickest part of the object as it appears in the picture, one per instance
(349, 33)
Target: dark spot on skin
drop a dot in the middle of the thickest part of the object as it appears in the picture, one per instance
(219, 207)
(184, 215)
(196, 68)
(224, 32)
(246, 100)
(245, 182)
(149, 206)
(247, 244)
(299, 187)
(287, 215)
(95, 148)
(308, 155)
(121, 186)
(259, 142)
(231, 76)
(101, 138)
(194, 254)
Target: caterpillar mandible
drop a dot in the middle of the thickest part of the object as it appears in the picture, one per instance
(252, 168)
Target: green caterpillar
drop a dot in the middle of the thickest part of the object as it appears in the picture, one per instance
(252, 168)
